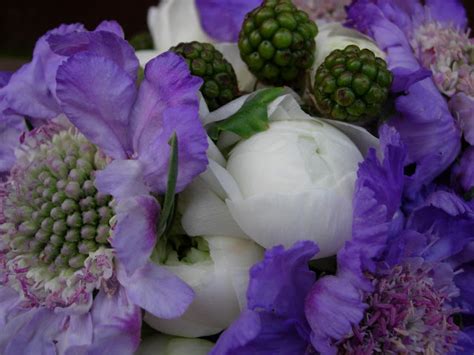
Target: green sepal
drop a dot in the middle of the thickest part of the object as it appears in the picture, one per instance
(251, 118)
(167, 213)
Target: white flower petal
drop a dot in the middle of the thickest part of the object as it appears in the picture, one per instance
(217, 301)
(205, 213)
(231, 52)
(322, 215)
(175, 21)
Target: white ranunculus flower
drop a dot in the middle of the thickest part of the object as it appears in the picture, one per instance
(167, 345)
(219, 282)
(333, 36)
(294, 181)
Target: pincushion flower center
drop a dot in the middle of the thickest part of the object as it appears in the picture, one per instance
(55, 225)
(407, 313)
(449, 53)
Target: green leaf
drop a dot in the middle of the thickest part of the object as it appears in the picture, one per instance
(251, 118)
(167, 212)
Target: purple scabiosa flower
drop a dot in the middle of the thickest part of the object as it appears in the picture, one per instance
(79, 213)
(424, 121)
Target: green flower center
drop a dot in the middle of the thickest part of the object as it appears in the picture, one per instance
(53, 214)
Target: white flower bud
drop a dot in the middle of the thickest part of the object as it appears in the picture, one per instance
(219, 284)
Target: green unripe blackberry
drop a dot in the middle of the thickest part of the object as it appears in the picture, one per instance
(220, 83)
(277, 42)
(352, 84)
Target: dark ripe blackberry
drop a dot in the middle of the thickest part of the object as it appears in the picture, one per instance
(220, 83)
(277, 42)
(352, 84)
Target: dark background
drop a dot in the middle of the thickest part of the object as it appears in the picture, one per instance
(22, 22)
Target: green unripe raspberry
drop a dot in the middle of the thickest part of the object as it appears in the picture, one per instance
(351, 84)
(220, 83)
(277, 42)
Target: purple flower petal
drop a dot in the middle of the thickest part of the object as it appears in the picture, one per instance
(11, 127)
(260, 333)
(117, 324)
(121, 178)
(102, 43)
(97, 96)
(280, 282)
(222, 20)
(448, 12)
(134, 235)
(79, 332)
(168, 103)
(464, 281)
(462, 107)
(377, 197)
(463, 171)
(157, 290)
(31, 332)
(332, 307)
(429, 132)
(111, 26)
(9, 299)
(446, 221)
(30, 91)
(4, 78)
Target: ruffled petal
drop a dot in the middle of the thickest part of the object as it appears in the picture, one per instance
(157, 290)
(332, 306)
(134, 235)
(464, 281)
(168, 103)
(447, 222)
(222, 20)
(9, 299)
(97, 96)
(103, 43)
(31, 332)
(463, 171)
(429, 132)
(261, 333)
(121, 178)
(462, 107)
(111, 26)
(79, 332)
(11, 128)
(117, 324)
(279, 283)
(30, 91)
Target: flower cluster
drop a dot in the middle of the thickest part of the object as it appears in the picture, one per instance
(173, 200)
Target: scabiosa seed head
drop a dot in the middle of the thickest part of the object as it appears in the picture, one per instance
(449, 53)
(407, 314)
(54, 226)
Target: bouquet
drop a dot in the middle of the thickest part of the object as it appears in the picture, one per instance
(273, 177)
